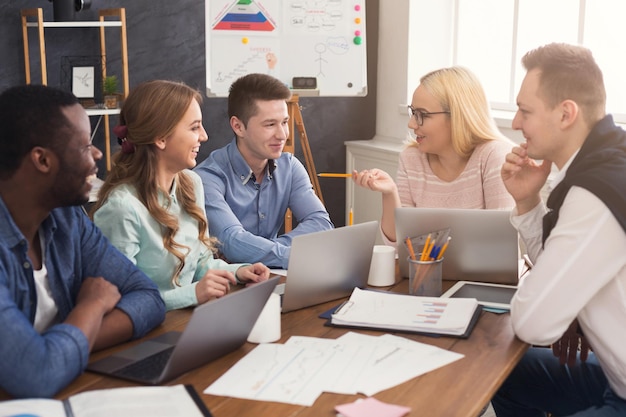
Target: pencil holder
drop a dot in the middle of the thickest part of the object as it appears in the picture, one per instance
(425, 277)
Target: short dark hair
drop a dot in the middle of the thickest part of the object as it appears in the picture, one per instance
(569, 72)
(245, 91)
(30, 115)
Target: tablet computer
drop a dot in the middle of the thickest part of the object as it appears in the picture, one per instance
(489, 295)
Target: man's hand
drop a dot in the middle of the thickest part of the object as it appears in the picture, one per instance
(98, 292)
(567, 347)
(96, 299)
(253, 273)
(523, 178)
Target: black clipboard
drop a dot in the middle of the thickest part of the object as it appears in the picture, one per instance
(199, 403)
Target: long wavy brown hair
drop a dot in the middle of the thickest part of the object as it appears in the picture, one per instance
(152, 110)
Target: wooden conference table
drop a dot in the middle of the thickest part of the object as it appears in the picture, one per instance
(459, 389)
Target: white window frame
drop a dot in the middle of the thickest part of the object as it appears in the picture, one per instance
(432, 44)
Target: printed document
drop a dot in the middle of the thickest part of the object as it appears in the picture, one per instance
(298, 371)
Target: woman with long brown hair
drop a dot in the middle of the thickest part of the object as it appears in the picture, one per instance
(151, 206)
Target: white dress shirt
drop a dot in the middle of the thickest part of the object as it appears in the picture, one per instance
(581, 274)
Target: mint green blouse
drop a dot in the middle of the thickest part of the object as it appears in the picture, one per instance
(126, 222)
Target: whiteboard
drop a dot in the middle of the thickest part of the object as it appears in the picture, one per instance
(324, 39)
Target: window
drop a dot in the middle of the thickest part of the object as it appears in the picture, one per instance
(491, 36)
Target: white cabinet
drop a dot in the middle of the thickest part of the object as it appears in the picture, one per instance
(380, 153)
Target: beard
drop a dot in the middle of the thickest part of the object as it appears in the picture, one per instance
(71, 187)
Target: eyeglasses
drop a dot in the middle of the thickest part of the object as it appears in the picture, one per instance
(419, 115)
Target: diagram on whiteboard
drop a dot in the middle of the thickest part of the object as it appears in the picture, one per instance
(324, 39)
(244, 15)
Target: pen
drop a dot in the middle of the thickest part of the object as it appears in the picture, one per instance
(434, 252)
(333, 175)
(409, 245)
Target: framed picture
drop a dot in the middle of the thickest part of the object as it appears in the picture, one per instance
(82, 75)
(83, 79)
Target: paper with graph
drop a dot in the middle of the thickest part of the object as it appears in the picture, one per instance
(386, 310)
(298, 371)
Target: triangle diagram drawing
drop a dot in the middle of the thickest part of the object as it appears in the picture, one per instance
(244, 15)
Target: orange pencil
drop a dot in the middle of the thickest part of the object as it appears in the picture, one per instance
(409, 245)
(333, 175)
(430, 251)
(425, 249)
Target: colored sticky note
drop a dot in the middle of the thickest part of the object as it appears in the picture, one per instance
(371, 407)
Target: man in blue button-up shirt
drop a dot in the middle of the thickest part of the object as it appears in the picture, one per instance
(250, 183)
(64, 290)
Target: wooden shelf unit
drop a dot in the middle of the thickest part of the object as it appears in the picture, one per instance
(33, 18)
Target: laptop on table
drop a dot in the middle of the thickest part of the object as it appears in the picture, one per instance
(215, 328)
(484, 245)
(327, 265)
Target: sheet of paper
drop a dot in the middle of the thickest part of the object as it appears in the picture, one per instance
(34, 407)
(298, 371)
(166, 401)
(406, 312)
(338, 375)
(395, 360)
(272, 372)
(405, 361)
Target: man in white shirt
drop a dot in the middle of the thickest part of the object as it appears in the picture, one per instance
(576, 291)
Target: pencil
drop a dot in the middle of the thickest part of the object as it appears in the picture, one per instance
(350, 217)
(425, 248)
(409, 245)
(333, 175)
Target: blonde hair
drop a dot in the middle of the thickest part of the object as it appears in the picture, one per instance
(458, 91)
(152, 110)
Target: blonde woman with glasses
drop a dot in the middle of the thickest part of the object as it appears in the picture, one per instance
(454, 156)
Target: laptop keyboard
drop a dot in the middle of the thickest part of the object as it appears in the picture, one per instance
(147, 369)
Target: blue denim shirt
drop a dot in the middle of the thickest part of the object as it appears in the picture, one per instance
(39, 365)
(246, 216)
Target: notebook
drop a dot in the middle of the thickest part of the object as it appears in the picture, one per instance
(214, 329)
(328, 265)
(484, 245)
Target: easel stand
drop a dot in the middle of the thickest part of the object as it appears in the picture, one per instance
(295, 117)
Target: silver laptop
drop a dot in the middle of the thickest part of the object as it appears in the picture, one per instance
(484, 245)
(214, 329)
(325, 266)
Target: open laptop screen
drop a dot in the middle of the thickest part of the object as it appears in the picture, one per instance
(484, 245)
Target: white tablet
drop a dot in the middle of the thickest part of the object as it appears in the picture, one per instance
(489, 295)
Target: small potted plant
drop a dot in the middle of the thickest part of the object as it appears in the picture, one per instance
(109, 89)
